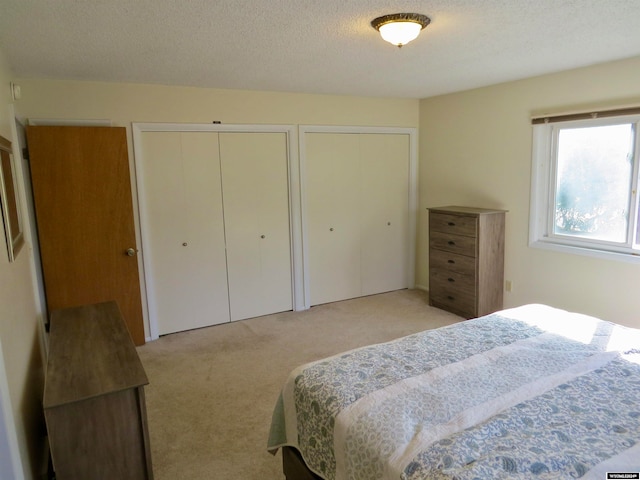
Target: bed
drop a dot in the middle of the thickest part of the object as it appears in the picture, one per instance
(529, 392)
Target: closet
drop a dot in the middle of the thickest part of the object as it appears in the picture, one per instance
(214, 211)
(357, 214)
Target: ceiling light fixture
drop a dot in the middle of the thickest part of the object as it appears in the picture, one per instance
(400, 28)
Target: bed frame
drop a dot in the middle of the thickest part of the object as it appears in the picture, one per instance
(294, 467)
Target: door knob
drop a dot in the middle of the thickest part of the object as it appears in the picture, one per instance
(131, 252)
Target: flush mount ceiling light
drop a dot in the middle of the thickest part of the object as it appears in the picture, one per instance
(400, 28)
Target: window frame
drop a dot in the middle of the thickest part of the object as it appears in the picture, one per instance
(543, 186)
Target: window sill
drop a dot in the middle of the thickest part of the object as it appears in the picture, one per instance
(587, 252)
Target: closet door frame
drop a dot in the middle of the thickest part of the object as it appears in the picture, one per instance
(295, 204)
(412, 200)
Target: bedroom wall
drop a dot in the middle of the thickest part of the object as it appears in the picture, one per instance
(123, 104)
(126, 103)
(475, 149)
(21, 364)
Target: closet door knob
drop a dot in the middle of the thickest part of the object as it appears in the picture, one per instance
(331, 229)
(184, 244)
(130, 252)
(262, 236)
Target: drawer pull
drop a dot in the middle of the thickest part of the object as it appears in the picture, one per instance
(451, 224)
(451, 261)
(450, 297)
(451, 242)
(450, 279)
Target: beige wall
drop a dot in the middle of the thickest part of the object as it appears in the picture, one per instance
(123, 104)
(20, 333)
(475, 149)
(126, 103)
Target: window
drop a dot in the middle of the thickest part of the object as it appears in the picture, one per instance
(584, 184)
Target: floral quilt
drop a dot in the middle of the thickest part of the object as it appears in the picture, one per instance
(531, 392)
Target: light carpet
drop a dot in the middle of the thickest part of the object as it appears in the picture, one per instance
(212, 390)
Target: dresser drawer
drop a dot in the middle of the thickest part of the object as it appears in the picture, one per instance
(454, 262)
(453, 243)
(450, 299)
(446, 280)
(456, 224)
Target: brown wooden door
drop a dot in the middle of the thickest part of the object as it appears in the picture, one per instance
(84, 212)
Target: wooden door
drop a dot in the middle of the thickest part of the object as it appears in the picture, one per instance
(384, 219)
(183, 230)
(84, 213)
(332, 209)
(256, 217)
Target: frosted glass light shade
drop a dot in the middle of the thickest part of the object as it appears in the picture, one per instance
(400, 28)
(400, 33)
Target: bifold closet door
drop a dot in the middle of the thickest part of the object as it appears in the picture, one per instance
(357, 213)
(384, 219)
(183, 230)
(256, 215)
(332, 210)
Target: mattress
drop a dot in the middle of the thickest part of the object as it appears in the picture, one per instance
(530, 392)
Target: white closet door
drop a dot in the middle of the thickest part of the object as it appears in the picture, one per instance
(332, 209)
(384, 219)
(256, 211)
(183, 230)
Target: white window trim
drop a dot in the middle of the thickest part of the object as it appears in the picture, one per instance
(542, 174)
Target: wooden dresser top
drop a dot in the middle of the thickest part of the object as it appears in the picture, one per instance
(91, 354)
(453, 209)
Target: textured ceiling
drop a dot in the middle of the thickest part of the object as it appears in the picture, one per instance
(312, 46)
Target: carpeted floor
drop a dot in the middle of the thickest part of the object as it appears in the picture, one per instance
(212, 390)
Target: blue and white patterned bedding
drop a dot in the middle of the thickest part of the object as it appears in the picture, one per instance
(531, 392)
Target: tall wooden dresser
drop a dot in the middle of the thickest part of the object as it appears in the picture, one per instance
(94, 397)
(466, 260)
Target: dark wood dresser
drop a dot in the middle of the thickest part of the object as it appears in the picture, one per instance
(466, 260)
(94, 402)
